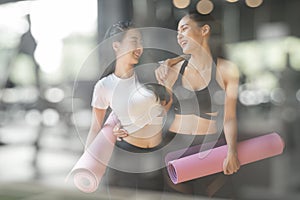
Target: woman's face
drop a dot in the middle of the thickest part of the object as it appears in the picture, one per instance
(189, 35)
(130, 48)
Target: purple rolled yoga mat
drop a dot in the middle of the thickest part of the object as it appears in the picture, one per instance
(91, 166)
(211, 161)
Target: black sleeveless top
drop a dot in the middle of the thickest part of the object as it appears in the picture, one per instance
(200, 102)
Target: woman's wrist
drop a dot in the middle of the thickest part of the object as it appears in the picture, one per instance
(232, 151)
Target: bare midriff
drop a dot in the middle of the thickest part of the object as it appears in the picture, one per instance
(147, 137)
(193, 125)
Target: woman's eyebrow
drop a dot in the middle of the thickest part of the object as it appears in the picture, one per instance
(181, 26)
(134, 38)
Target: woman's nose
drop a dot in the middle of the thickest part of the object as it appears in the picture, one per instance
(140, 50)
(179, 35)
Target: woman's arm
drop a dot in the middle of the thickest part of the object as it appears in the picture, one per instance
(162, 71)
(231, 163)
(96, 124)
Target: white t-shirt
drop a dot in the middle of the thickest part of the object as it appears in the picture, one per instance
(134, 105)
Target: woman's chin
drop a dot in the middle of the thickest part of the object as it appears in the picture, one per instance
(135, 61)
(185, 51)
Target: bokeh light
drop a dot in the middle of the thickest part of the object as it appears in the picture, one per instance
(254, 3)
(50, 117)
(278, 96)
(205, 6)
(181, 3)
(33, 117)
(54, 95)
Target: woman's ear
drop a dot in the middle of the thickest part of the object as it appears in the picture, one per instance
(205, 29)
(116, 46)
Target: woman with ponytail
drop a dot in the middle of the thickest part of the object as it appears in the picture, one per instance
(205, 89)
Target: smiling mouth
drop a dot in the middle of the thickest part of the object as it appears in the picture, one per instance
(183, 43)
(137, 53)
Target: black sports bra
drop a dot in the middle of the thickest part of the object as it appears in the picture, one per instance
(199, 102)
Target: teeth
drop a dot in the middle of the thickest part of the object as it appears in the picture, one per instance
(182, 43)
(137, 54)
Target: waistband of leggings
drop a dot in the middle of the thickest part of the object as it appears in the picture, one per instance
(132, 148)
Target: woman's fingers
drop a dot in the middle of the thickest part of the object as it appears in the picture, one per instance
(119, 132)
(161, 72)
(117, 127)
(229, 168)
(158, 76)
(122, 134)
(165, 69)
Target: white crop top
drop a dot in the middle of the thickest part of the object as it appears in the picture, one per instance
(134, 105)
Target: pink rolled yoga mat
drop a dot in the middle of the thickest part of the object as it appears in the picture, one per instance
(192, 150)
(91, 166)
(211, 161)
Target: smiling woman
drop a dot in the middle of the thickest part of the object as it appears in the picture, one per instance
(205, 88)
(119, 89)
(137, 112)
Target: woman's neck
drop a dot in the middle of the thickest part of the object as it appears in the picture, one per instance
(201, 59)
(123, 69)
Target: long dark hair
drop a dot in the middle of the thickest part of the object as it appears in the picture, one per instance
(160, 92)
(215, 41)
(117, 31)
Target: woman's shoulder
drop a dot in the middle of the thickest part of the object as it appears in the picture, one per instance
(111, 78)
(104, 82)
(228, 69)
(175, 69)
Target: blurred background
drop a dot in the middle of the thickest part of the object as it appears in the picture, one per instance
(45, 94)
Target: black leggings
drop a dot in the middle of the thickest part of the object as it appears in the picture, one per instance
(120, 177)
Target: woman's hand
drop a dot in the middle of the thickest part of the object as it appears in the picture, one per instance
(231, 163)
(119, 132)
(162, 71)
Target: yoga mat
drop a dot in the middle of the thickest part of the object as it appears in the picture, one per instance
(91, 166)
(192, 150)
(211, 161)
